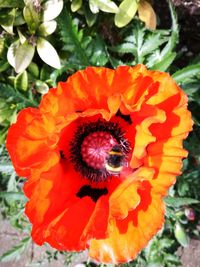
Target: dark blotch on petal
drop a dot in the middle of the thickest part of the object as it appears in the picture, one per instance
(126, 118)
(62, 155)
(94, 193)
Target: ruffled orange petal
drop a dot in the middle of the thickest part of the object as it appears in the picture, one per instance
(127, 237)
(125, 196)
(27, 138)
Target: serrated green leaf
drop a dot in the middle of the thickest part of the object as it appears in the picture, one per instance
(82, 50)
(98, 54)
(158, 264)
(164, 64)
(48, 53)
(181, 235)
(47, 28)
(104, 5)
(14, 196)
(15, 252)
(143, 44)
(177, 202)
(5, 113)
(126, 13)
(6, 168)
(186, 74)
(14, 97)
(124, 48)
(76, 5)
(51, 9)
(12, 183)
(162, 59)
(174, 37)
(72, 38)
(23, 56)
(152, 42)
(21, 81)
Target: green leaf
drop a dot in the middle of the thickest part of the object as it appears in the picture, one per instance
(4, 65)
(152, 42)
(2, 44)
(141, 43)
(127, 11)
(181, 235)
(89, 16)
(7, 17)
(23, 56)
(168, 54)
(82, 50)
(20, 55)
(11, 3)
(47, 28)
(186, 74)
(98, 56)
(12, 183)
(48, 53)
(33, 69)
(177, 202)
(6, 113)
(3, 134)
(104, 5)
(8, 29)
(7, 20)
(14, 196)
(22, 38)
(21, 81)
(51, 9)
(13, 97)
(76, 5)
(41, 87)
(165, 62)
(6, 168)
(12, 52)
(174, 37)
(15, 252)
(19, 18)
(44, 73)
(31, 16)
(72, 38)
(93, 6)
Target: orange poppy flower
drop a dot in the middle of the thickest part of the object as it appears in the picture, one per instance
(99, 154)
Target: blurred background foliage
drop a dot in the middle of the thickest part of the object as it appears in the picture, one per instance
(43, 42)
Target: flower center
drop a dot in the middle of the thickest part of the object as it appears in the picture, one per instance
(98, 150)
(95, 148)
